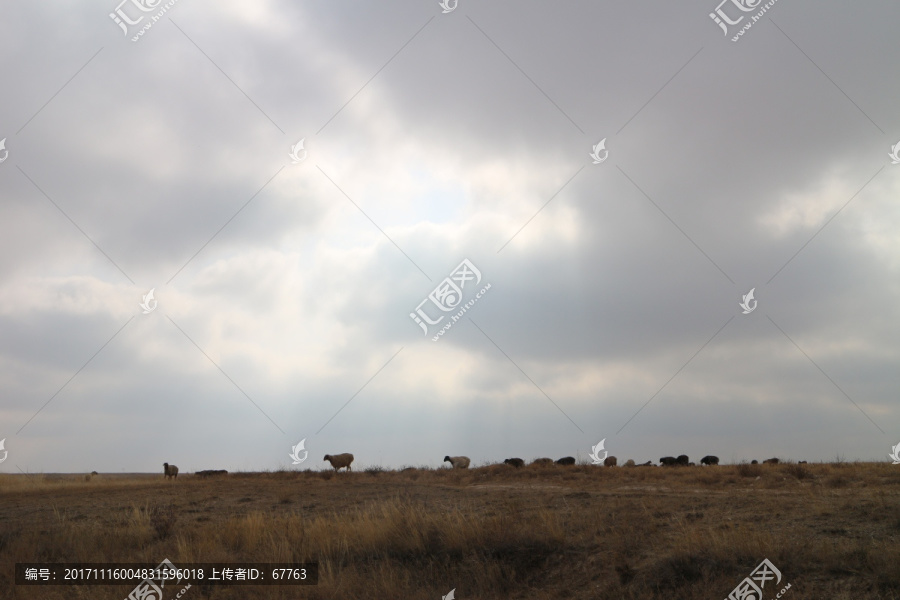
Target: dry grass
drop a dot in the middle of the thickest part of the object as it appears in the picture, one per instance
(490, 532)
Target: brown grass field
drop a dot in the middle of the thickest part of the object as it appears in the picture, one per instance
(582, 532)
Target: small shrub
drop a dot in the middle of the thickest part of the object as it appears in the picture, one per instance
(837, 481)
(748, 470)
(799, 471)
(162, 520)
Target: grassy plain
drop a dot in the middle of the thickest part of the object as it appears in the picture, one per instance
(581, 532)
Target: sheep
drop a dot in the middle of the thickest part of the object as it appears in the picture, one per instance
(339, 461)
(609, 461)
(770, 461)
(170, 471)
(211, 473)
(709, 460)
(542, 461)
(566, 460)
(457, 462)
(754, 462)
(668, 461)
(516, 462)
(683, 460)
(649, 463)
(629, 463)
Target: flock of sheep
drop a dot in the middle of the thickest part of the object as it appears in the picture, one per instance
(341, 461)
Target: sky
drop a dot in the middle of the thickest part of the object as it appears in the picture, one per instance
(597, 185)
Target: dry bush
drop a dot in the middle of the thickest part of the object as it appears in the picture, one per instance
(747, 470)
(798, 472)
(162, 521)
(837, 481)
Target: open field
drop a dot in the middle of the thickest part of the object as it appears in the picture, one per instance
(583, 532)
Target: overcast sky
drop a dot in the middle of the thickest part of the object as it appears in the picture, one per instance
(283, 288)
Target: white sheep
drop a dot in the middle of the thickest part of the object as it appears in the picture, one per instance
(458, 462)
(339, 461)
(170, 471)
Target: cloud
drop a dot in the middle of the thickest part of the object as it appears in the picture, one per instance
(285, 289)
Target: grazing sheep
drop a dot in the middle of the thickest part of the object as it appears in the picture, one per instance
(629, 463)
(170, 471)
(610, 461)
(566, 460)
(457, 462)
(770, 461)
(542, 461)
(211, 472)
(709, 460)
(668, 461)
(754, 462)
(516, 462)
(683, 460)
(339, 461)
